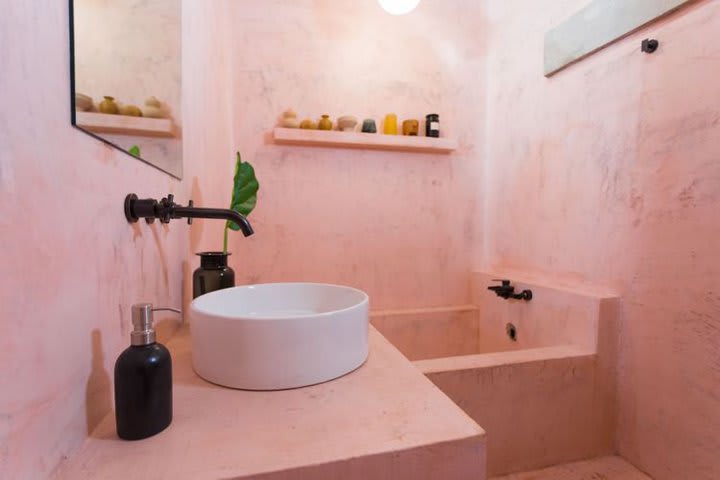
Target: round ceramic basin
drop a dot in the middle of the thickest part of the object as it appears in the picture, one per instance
(278, 335)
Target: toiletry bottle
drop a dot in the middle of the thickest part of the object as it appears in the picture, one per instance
(143, 381)
(432, 125)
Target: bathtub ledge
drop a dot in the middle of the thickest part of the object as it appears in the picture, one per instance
(495, 359)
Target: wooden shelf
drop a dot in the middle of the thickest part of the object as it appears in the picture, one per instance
(372, 141)
(125, 125)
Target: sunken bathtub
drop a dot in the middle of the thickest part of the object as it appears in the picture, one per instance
(538, 376)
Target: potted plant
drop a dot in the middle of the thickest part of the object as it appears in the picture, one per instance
(214, 273)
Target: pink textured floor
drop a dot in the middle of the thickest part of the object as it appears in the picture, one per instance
(606, 468)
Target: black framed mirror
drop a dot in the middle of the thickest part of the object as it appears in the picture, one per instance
(126, 77)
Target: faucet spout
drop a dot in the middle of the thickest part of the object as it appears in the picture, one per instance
(166, 209)
(217, 213)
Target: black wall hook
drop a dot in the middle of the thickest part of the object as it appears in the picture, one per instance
(649, 45)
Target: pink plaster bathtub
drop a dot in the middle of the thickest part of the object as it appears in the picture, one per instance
(545, 398)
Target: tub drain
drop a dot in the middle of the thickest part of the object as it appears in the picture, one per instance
(511, 331)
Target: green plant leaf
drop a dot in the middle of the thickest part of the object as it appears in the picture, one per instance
(134, 150)
(245, 188)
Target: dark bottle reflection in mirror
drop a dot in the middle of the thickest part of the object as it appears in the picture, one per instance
(126, 77)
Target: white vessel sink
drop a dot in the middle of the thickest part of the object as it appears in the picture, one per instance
(278, 335)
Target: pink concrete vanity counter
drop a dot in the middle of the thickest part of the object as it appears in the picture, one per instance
(383, 421)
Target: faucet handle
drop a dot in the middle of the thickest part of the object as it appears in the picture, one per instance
(504, 283)
(166, 207)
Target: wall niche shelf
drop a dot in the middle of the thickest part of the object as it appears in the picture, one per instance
(359, 140)
(124, 125)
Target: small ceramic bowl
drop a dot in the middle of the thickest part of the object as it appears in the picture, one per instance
(130, 111)
(83, 102)
(153, 102)
(308, 124)
(347, 123)
(289, 122)
(153, 112)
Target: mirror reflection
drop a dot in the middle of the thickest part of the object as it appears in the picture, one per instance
(127, 77)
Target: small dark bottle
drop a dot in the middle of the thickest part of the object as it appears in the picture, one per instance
(143, 381)
(213, 273)
(432, 125)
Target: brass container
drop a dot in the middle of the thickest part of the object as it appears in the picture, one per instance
(325, 123)
(108, 106)
(411, 127)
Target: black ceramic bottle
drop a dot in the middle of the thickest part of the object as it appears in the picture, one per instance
(143, 381)
(213, 273)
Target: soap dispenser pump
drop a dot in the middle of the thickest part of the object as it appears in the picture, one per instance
(143, 381)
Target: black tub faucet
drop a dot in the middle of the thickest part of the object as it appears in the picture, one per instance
(507, 291)
(166, 209)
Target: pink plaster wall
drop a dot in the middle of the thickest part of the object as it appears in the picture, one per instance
(609, 173)
(70, 265)
(397, 225)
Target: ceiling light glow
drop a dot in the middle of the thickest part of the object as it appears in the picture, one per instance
(398, 7)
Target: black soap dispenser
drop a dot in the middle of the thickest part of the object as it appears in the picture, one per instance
(143, 381)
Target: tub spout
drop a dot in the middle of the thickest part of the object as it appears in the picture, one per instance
(507, 291)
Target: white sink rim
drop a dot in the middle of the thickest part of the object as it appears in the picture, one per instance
(197, 304)
(238, 344)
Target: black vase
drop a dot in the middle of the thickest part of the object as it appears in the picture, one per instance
(213, 273)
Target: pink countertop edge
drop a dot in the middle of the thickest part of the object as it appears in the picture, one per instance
(385, 406)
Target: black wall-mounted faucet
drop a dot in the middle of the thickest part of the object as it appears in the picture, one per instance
(166, 209)
(507, 291)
